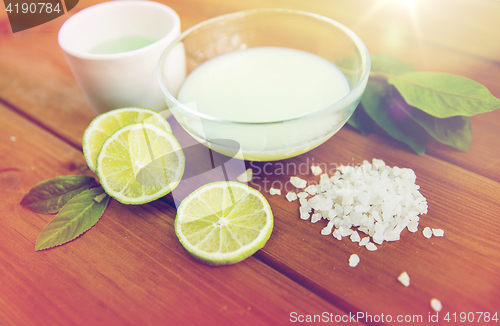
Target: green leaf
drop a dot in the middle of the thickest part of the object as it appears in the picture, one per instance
(389, 65)
(379, 63)
(444, 95)
(48, 196)
(361, 121)
(387, 111)
(453, 131)
(77, 216)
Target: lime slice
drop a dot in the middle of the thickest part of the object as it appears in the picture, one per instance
(140, 163)
(107, 123)
(223, 223)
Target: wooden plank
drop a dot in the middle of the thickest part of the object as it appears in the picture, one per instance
(36, 79)
(465, 205)
(459, 269)
(484, 156)
(129, 269)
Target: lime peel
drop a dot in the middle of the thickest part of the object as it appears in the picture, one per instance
(223, 223)
(104, 125)
(156, 151)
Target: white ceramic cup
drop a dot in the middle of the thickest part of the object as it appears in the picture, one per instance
(126, 79)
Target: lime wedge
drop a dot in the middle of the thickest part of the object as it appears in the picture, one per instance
(222, 223)
(107, 123)
(140, 163)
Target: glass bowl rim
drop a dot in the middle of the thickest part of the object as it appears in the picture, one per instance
(365, 56)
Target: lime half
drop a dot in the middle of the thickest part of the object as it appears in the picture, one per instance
(223, 223)
(140, 163)
(107, 123)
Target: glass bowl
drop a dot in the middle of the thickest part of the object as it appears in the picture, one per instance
(275, 140)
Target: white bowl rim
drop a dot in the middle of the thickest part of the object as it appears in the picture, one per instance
(365, 56)
(110, 5)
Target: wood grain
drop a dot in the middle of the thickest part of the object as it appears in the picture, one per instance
(129, 269)
(461, 202)
(36, 80)
(466, 208)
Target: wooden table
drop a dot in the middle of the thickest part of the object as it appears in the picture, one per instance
(130, 269)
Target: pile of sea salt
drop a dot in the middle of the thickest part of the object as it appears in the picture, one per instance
(372, 198)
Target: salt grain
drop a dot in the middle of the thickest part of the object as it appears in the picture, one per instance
(364, 241)
(304, 213)
(438, 232)
(302, 194)
(315, 217)
(427, 232)
(373, 198)
(345, 231)
(353, 260)
(312, 189)
(336, 234)
(355, 237)
(291, 196)
(413, 226)
(327, 229)
(274, 191)
(298, 182)
(316, 170)
(245, 176)
(377, 164)
(436, 304)
(378, 237)
(404, 278)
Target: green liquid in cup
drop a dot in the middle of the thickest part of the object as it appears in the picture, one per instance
(123, 44)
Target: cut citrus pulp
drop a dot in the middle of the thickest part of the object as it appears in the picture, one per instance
(224, 222)
(107, 123)
(140, 163)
